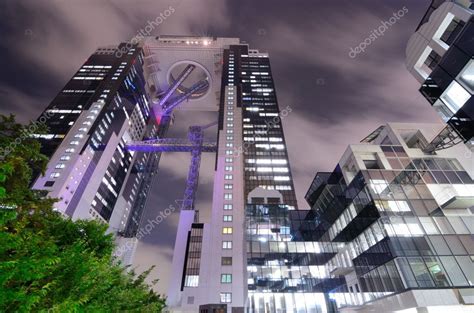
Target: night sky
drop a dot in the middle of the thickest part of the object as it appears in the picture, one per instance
(336, 100)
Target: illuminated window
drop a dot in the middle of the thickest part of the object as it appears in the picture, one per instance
(227, 245)
(228, 176)
(227, 207)
(227, 218)
(226, 278)
(378, 185)
(228, 196)
(228, 186)
(191, 281)
(455, 96)
(226, 297)
(227, 230)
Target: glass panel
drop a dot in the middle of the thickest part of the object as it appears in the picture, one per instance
(408, 276)
(431, 205)
(428, 225)
(468, 243)
(406, 163)
(419, 164)
(388, 151)
(410, 192)
(421, 272)
(443, 225)
(437, 271)
(453, 178)
(455, 244)
(467, 266)
(399, 151)
(465, 177)
(394, 275)
(418, 207)
(443, 164)
(428, 178)
(469, 222)
(394, 163)
(431, 164)
(454, 272)
(458, 225)
(439, 245)
(424, 192)
(440, 177)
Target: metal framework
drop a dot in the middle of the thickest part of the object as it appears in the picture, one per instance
(175, 85)
(446, 138)
(167, 108)
(195, 143)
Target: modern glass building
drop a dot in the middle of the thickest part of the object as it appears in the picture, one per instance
(404, 220)
(440, 56)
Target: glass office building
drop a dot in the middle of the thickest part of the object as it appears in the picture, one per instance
(405, 219)
(440, 56)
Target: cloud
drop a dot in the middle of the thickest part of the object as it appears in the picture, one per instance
(55, 37)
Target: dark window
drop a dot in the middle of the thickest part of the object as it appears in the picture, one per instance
(49, 183)
(432, 60)
(372, 165)
(273, 200)
(452, 31)
(258, 200)
(225, 260)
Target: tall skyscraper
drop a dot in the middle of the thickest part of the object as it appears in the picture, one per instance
(107, 129)
(440, 56)
(252, 168)
(104, 106)
(404, 222)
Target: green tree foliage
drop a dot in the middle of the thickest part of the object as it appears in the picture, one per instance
(49, 263)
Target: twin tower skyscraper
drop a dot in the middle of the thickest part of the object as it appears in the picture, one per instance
(107, 130)
(377, 231)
